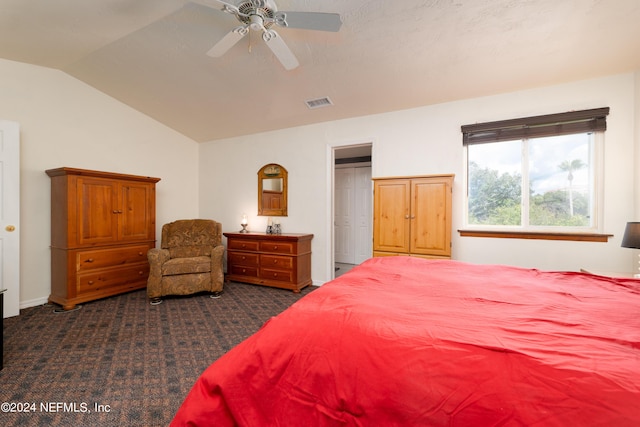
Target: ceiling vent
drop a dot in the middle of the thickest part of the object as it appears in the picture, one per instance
(318, 102)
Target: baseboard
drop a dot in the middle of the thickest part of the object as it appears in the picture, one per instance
(33, 302)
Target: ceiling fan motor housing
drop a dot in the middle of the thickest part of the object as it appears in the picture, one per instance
(262, 8)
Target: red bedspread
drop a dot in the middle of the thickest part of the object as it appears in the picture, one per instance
(401, 341)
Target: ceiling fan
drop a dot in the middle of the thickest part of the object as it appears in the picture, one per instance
(261, 15)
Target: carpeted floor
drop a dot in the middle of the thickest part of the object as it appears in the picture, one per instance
(121, 361)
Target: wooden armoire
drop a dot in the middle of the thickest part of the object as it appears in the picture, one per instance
(412, 216)
(102, 225)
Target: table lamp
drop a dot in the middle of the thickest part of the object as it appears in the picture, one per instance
(243, 223)
(631, 238)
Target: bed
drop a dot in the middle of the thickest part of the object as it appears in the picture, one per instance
(401, 341)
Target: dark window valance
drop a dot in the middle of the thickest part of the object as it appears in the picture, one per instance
(534, 127)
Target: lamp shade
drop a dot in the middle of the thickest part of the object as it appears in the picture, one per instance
(631, 237)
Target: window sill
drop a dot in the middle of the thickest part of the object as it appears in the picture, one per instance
(580, 237)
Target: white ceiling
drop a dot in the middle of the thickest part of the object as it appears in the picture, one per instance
(388, 55)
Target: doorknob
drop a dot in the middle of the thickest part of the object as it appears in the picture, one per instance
(10, 228)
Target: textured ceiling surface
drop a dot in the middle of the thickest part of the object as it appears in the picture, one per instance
(388, 55)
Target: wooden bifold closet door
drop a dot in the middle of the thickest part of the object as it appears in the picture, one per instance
(412, 216)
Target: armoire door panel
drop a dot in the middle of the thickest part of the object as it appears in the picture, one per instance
(429, 233)
(136, 212)
(97, 220)
(391, 215)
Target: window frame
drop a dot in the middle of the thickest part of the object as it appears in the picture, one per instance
(585, 121)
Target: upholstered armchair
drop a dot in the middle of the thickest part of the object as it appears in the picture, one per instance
(190, 260)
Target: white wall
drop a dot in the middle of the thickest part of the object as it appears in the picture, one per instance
(67, 123)
(423, 141)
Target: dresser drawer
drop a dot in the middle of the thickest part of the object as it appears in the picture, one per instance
(242, 245)
(246, 271)
(91, 260)
(112, 277)
(273, 274)
(275, 261)
(243, 258)
(278, 247)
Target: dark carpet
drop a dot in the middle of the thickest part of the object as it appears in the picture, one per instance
(121, 361)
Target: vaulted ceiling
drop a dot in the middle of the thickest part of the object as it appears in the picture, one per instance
(388, 55)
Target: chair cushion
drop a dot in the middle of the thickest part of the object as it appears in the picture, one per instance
(190, 251)
(199, 264)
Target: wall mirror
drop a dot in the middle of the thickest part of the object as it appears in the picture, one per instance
(272, 190)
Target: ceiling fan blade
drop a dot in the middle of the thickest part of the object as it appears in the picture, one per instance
(318, 21)
(222, 5)
(280, 49)
(227, 42)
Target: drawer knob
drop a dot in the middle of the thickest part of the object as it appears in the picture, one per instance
(275, 261)
(140, 253)
(244, 271)
(275, 274)
(91, 282)
(275, 247)
(90, 259)
(140, 273)
(244, 257)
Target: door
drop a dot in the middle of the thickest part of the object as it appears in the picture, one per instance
(391, 225)
(97, 211)
(363, 211)
(10, 216)
(344, 221)
(137, 211)
(353, 214)
(431, 216)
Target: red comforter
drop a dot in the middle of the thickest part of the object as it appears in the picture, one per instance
(401, 341)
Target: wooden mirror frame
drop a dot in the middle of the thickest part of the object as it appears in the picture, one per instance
(272, 203)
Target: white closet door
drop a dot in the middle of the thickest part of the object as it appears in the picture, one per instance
(344, 215)
(363, 215)
(353, 215)
(10, 216)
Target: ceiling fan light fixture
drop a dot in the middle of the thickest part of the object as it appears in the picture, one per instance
(318, 102)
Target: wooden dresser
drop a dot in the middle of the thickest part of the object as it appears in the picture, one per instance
(102, 225)
(277, 260)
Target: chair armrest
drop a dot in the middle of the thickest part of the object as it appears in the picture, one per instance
(217, 268)
(156, 258)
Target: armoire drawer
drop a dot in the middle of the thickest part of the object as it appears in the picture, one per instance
(101, 258)
(112, 277)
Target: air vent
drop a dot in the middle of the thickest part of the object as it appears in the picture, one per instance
(318, 102)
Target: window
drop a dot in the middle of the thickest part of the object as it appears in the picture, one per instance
(535, 174)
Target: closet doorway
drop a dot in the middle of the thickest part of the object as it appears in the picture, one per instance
(353, 209)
